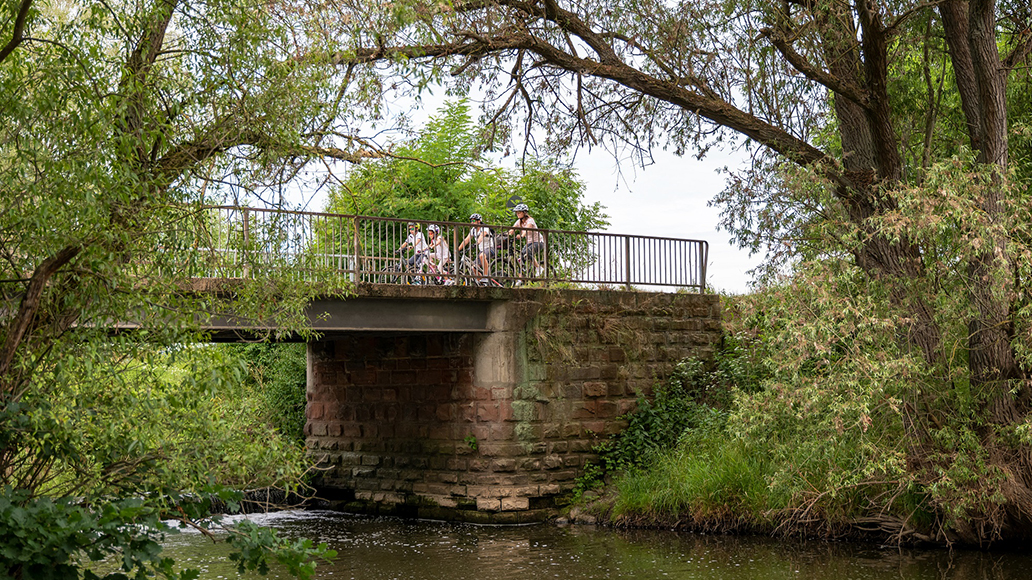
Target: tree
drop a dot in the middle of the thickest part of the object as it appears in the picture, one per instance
(857, 113)
(445, 174)
(117, 123)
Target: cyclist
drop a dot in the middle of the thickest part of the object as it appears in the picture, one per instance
(437, 252)
(417, 242)
(482, 236)
(535, 241)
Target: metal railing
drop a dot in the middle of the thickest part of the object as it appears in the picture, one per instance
(235, 242)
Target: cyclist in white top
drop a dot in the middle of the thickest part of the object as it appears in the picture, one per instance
(417, 242)
(482, 236)
(535, 241)
(437, 248)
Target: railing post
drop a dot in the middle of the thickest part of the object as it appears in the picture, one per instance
(544, 236)
(357, 246)
(455, 254)
(627, 262)
(704, 250)
(245, 251)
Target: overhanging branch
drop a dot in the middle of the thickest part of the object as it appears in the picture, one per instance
(17, 35)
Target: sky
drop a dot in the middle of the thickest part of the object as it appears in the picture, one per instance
(670, 199)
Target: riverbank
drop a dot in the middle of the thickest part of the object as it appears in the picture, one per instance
(598, 508)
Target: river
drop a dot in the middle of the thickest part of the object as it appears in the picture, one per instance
(394, 549)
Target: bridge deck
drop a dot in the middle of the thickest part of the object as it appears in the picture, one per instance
(383, 308)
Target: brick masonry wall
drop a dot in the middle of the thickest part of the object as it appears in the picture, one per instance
(494, 426)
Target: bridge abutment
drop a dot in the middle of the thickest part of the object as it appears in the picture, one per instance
(494, 425)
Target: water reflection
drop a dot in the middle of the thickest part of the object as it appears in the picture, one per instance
(391, 549)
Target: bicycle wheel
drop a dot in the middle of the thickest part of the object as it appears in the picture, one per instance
(468, 272)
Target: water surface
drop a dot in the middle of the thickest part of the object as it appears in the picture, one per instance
(394, 549)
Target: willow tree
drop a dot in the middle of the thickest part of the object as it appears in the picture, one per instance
(864, 99)
(118, 121)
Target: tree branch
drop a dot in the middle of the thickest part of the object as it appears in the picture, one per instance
(799, 62)
(29, 306)
(18, 32)
(1020, 51)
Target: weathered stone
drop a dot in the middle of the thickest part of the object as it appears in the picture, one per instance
(509, 504)
(489, 504)
(486, 421)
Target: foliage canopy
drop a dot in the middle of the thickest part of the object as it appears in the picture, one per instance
(114, 121)
(446, 174)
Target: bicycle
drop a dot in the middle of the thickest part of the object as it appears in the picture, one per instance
(403, 272)
(437, 276)
(471, 274)
(510, 265)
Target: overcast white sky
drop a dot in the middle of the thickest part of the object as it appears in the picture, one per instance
(669, 199)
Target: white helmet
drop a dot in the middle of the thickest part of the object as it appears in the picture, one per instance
(521, 207)
(433, 228)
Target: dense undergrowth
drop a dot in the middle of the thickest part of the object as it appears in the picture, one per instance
(807, 426)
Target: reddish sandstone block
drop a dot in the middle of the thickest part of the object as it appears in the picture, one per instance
(446, 412)
(595, 389)
(585, 410)
(501, 431)
(607, 409)
(488, 412)
(482, 432)
(505, 410)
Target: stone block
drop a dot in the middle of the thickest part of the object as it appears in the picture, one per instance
(553, 461)
(503, 465)
(488, 411)
(457, 464)
(607, 409)
(549, 489)
(586, 410)
(595, 389)
(589, 373)
(526, 465)
(572, 430)
(502, 431)
(362, 377)
(446, 412)
(489, 504)
(510, 504)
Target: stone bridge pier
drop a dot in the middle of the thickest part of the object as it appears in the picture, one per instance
(484, 405)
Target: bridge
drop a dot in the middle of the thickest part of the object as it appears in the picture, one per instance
(232, 242)
(436, 396)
